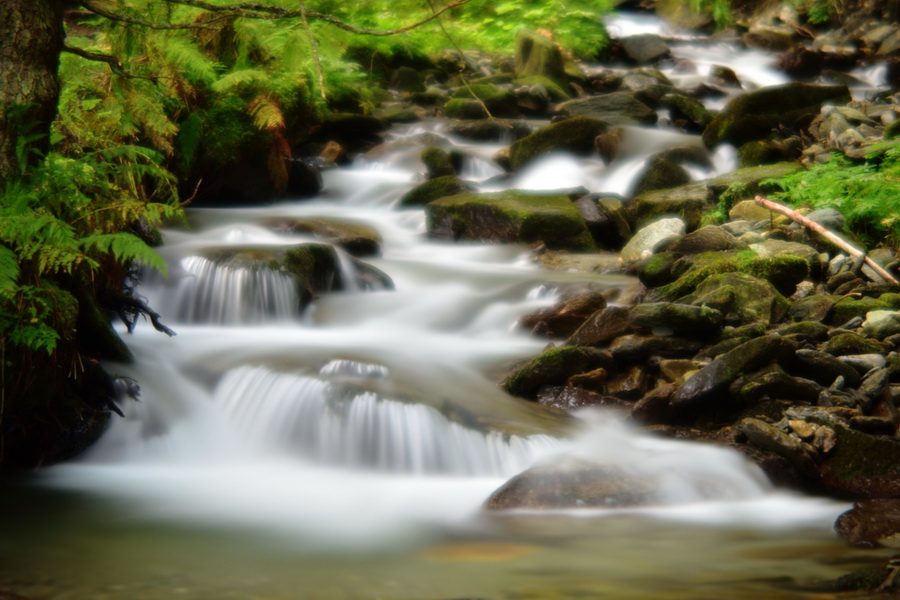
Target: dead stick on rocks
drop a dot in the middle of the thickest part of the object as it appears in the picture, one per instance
(828, 235)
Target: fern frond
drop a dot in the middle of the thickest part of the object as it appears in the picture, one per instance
(125, 247)
(241, 78)
(266, 113)
(193, 63)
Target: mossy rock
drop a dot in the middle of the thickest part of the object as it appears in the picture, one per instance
(689, 202)
(616, 108)
(315, 267)
(536, 54)
(555, 90)
(464, 108)
(512, 216)
(684, 108)
(660, 173)
(710, 384)
(847, 308)
(680, 318)
(554, 367)
(437, 161)
(500, 102)
(740, 296)
(575, 135)
(753, 116)
(782, 272)
(760, 152)
(657, 270)
(354, 132)
(440, 187)
(356, 239)
(851, 343)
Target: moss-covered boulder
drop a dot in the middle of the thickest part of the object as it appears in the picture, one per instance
(677, 318)
(427, 191)
(753, 116)
(616, 108)
(315, 267)
(465, 108)
(741, 297)
(660, 173)
(355, 238)
(538, 55)
(437, 161)
(575, 135)
(554, 367)
(687, 112)
(512, 216)
(499, 101)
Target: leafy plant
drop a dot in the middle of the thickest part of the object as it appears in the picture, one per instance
(720, 10)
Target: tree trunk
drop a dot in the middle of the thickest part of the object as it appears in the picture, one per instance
(31, 39)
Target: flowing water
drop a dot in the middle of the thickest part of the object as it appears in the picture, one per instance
(346, 450)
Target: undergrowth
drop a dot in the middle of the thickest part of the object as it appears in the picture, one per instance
(866, 193)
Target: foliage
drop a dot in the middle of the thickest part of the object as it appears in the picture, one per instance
(818, 12)
(727, 199)
(720, 10)
(867, 193)
(65, 219)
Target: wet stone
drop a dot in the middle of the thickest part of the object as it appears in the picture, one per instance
(871, 524)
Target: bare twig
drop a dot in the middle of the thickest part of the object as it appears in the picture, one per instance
(93, 7)
(828, 235)
(114, 65)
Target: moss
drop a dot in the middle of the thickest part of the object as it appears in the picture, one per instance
(812, 329)
(500, 102)
(464, 108)
(557, 93)
(891, 299)
(759, 152)
(574, 135)
(439, 187)
(512, 216)
(315, 267)
(783, 272)
(848, 308)
(554, 367)
(657, 270)
(851, 343)
(437, 162)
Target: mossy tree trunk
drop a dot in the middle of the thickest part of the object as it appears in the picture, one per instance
(31, 39)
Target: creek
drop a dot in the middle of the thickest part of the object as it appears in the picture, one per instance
(346, 451)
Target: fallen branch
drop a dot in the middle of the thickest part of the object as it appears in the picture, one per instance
(828, 235)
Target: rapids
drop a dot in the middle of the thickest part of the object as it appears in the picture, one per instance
(346, 451)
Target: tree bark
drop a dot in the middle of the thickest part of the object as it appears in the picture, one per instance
(31, 39)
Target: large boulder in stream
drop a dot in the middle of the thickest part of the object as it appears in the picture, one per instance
(538, 55)
(513, 216)
(754, 115)
(575, 135)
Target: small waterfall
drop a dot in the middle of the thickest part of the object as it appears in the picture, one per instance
(207, 292)
(341, 425)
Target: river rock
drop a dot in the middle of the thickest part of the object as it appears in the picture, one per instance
(354, 132)
(711, 238)
(616, 108)
(750, 211)
(439, 187)
(639, 348)
(575, 484)
(644, 48)
(606, 219)
(602, 327)
(438, 162)
(499, 101)
(772, 247)
(358, 240)
(660, 173)
(823, 368)
(680, 318)
(710, 384)
(871, 524)
(880, 324)
(490, 130)
(852, 343)
(575, 135)
(740, 296)
(773, 382)
(554, 367)
(566, 316)
(768, 437)
(512, 216)
(753, 116)
(315, 267)
(690, 202)
(651, 237)
(687, 112)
